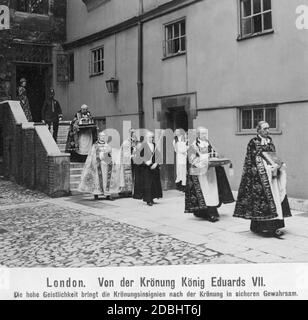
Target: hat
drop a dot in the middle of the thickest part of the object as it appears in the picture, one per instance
(23, 80)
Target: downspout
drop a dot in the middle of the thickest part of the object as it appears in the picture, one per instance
(140, 67)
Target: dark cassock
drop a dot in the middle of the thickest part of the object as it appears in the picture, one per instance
(52, 113)
(147, 181)
(262, 196)
(207, 187)
(82, 134)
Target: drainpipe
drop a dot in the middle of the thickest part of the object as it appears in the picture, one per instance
(140, 67)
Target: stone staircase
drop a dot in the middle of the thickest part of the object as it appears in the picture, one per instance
(75, 176)
(75, 167)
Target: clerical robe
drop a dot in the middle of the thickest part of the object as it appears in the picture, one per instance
(262, 196)
(207, 187)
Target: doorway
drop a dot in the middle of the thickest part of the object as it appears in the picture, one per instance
(38, 81)
(177, 118)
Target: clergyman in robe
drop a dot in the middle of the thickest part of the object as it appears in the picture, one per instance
(262, 196)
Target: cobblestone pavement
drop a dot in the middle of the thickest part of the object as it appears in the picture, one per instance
(36, 231)
(47, 235)
(11, 193)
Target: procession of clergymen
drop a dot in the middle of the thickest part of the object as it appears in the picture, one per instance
(133, 170)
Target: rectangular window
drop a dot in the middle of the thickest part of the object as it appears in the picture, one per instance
(33, 6)
(251, 116)
(175, 38)
(256, 16)
(97, 61)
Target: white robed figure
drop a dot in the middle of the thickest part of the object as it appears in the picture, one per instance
(180, 146)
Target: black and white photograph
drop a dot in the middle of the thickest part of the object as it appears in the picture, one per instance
(153, 149)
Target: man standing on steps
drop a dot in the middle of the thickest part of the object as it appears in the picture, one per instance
(52, 113)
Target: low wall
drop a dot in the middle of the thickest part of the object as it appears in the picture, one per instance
(30, 155)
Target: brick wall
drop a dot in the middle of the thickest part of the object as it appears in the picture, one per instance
(31, 157)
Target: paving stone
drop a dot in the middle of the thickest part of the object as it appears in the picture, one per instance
(58, 233)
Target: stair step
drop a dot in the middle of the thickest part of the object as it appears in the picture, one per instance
(74, 186)
(76, 171)
(75, 165)
(75, 178)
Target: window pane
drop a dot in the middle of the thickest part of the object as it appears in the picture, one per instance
(267, 5)
(94, 56)
(267, 21)
(246, 8)
(256, 6)
(246, 26)
(169, 32)
(39, 6)
(183, 44)
(257, 24)
(176, 30)
(22, 5)
(257, 116)
(183, 28)
(246, 119)
(270, 117)
(170, 47)
(176, 45)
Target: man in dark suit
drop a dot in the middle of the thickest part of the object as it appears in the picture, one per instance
(52, 113)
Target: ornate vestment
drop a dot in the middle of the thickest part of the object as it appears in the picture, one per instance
(207, 187)
(80, 141)
(257, 196)
(100, 175)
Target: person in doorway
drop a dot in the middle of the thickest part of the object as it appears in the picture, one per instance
(149, 157)
(52, 113)
(82, 134)
(207, 187)
(262, 196)
(180, 146)
(23, 98)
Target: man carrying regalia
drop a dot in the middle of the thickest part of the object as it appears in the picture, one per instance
(262, 196)
(207, 187)
(82, 134)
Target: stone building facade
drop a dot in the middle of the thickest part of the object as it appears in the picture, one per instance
(223, 64)
(28, 50)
